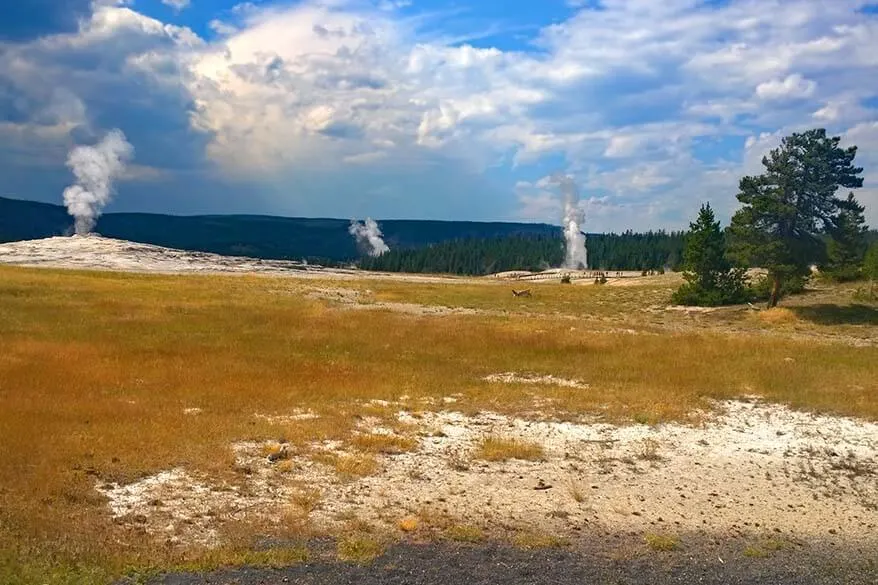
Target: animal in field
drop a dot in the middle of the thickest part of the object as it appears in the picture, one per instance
(521, 293)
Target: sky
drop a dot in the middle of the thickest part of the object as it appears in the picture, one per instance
(434, 109)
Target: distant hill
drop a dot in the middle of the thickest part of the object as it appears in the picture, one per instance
(258, 236)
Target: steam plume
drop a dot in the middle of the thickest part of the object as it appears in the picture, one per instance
(577, 254)
(95, 168)
(368, 235)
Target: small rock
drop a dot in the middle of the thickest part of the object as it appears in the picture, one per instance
(541, 485)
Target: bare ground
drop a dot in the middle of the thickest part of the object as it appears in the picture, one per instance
(751, 471)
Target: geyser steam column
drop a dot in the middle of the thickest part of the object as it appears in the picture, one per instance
(368, 236)
(95, 168)
(577, 253)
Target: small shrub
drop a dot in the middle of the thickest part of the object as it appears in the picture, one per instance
(662, 542)
(576, 492)
(730, 289)
(866, 293)
(408, 524)
(641, 418)
(565, 279)
(649, 450)
(754, 552)
(464, 533)
(359, 549)
(760, 290)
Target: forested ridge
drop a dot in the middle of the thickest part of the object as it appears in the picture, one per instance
(453, 247)
(479, 256)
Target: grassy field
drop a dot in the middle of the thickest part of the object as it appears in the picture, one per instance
(98, 372)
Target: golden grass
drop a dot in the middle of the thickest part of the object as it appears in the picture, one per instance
(382, 443)
(502, 449)
(778, 316)
(355, 465)
(97, 369)
(307, 500)
(408, 524)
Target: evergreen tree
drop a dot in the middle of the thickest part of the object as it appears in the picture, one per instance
(870, 267)
(787, 208)
(710, 278)
(847, 241)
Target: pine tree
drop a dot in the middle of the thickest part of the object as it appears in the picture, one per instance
(710, 278)
(847, 243)
(787, 208)
(870, 267)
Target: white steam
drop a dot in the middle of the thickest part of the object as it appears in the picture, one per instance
(368, 236)
(95, 168)
(577, 255)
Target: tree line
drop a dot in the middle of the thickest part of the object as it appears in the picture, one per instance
(480, 256)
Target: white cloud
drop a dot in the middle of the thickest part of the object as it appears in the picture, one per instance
(177, 5)
(222, 28)
(622, 96)
(792, 87)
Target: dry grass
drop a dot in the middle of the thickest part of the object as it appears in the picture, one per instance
(464, 533)
(649, 450)
(307, 500)
(778, 316)
(359, 549)
(576, 492)
(408, 524)
(352, 466)
(384, 444)
(97, 371)
(662, 542)
(502, 449)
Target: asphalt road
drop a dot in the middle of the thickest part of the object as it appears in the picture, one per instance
(443, 564)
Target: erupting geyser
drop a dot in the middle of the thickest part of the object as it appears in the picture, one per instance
(95, 168)
(368, 236)
(576, 257)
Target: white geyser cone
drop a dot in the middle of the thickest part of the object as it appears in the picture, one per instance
(368, 236)
(95, 168)
(576, 256)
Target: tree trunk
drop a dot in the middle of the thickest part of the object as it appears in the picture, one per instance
(775, 292)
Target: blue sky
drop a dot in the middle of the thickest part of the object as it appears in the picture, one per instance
(432, 108)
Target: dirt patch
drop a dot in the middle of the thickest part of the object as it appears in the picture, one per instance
(549, 380)
(751, 468)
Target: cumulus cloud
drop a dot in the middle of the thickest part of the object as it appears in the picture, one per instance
(792, 87)
(348, 108)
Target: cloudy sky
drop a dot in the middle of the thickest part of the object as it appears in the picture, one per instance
(442, 109)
